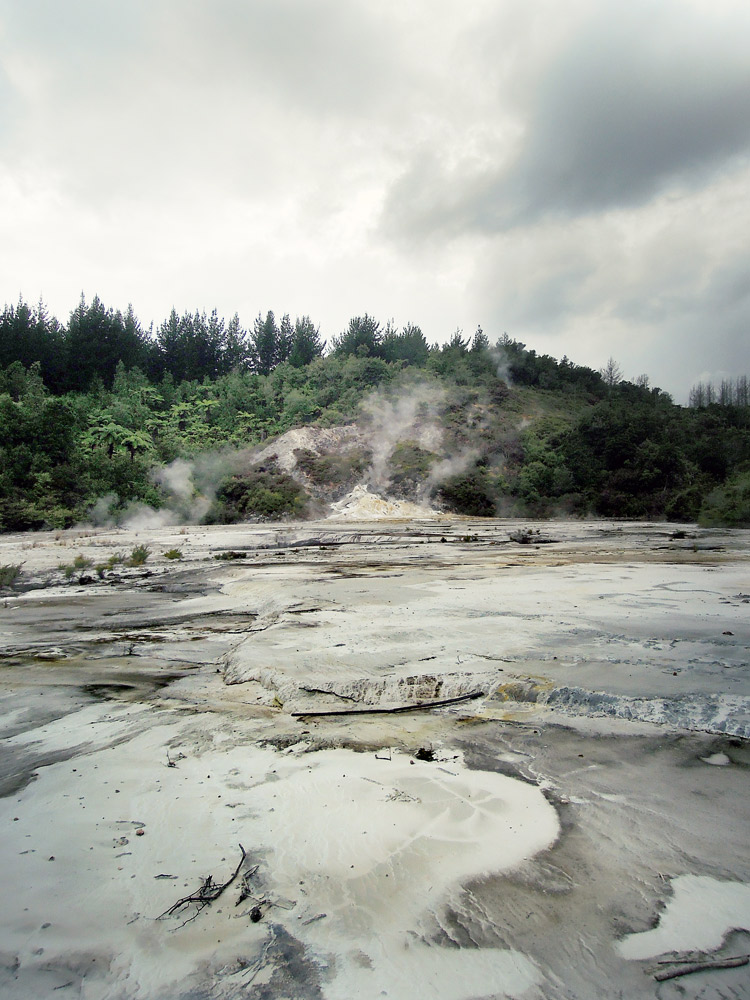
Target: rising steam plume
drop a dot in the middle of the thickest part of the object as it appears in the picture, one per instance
(413, 413)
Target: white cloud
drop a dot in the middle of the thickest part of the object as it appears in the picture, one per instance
(573, 174)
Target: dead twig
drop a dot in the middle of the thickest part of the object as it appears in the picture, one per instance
(685, 968)
(208, 893)
(245, 886)
(416, 706)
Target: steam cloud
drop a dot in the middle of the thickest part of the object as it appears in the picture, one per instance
(413, 413)
(411, 416)
(189, 486)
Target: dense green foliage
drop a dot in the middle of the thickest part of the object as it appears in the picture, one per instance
(729, 504)
(469, 493)
(93, 408)
(263, 492)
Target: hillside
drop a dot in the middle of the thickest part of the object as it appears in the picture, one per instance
(467, 427)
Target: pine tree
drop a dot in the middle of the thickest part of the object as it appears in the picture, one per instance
(362, 337)
(306, 342)
(97, 339)
(235, 349)
(264, 340)
(480, 342)
(410, 346)
(285, 339)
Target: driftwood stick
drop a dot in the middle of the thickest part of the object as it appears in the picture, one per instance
(686, 968)
(208, 892)
(416, 706)
(235, 873)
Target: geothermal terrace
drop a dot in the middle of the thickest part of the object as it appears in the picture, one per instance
(434, 758)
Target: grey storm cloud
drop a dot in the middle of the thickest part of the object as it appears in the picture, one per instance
(131, 98)
(575, 173)
(328, 53)
(641, 98)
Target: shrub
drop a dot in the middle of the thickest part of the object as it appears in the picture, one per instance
(685, 505)
(9, 573)
(139, 555)
(729, 505)
(79, 563)
(468, 494)
(264, 493)
(173, 554)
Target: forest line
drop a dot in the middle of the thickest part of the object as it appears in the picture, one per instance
(95, 408)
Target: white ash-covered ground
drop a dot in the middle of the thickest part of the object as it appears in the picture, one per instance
(461, 766)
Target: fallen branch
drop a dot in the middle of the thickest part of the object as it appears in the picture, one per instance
(686, 968)
(415, 706)
(208, 893)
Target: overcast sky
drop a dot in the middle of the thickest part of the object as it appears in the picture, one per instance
(576, 174)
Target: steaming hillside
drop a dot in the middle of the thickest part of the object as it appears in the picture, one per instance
(414, 448)
(397, 454)
(474, 429)
(491, 450)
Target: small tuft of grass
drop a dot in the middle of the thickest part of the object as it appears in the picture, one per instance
(227, 556)
(115, 559)
(9, 573)
(139, 555)
(173, 554)
(79, 563)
